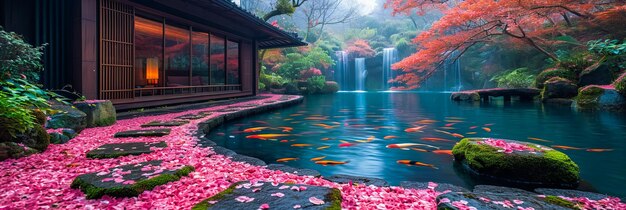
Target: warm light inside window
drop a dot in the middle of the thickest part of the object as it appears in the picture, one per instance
(152, 71)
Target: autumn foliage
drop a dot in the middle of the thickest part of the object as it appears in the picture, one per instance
(360, 48)
(468, 23)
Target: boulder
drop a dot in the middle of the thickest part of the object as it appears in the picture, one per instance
(69, 133)
(251, 195)
(37, 138)
(67, 117)
(554, 72)
(494, 197)
(517, 162)
(596, 75)
(557, 87)
(345, 179)
(99, 113)
(600, 97)
(14, 150)
(330, 87)
(465, 96)
(57, 138)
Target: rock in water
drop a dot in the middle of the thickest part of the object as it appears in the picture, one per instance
(557, 87)
(600, 97)
(67, 117)
(517, 162)
(596, 75)
(99, 113)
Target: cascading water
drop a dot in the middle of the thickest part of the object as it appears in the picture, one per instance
(390, 56)
(359, 74)
(448, 78)
(341, 69)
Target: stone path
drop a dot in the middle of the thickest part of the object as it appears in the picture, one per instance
(129, 180)
(143, 133)
(172, 123)
(197, 116)
(247, 195)
(124, 149)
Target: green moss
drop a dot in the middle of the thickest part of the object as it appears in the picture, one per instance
(560, 202)
(551, 167)
(588, 96)
(335, 199)
(105, 122)
(620, 84)
(94, 192)
(555, 72)
(204, 204)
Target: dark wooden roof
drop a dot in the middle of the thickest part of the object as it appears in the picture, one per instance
(227, 16)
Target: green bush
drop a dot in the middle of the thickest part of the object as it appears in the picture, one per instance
(272, 80)
(577, 62)
(330, 87)
(554, 72)
(613, 51)
(15, 118)
(620, 84)
(297, 62)
(518, 78)
(19, 58)
(315, 84)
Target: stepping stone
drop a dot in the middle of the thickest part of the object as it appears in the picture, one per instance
(494, 197)
(254, 195)
(124, 149)
(440, 186)
(191, 116)
(228, 110)
(128, 180)
(165, 123)
(142, 133)
(345, 179)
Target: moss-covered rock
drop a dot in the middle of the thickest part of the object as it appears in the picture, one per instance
(124, 149)
(15, 150)
(226, 199)
(37, 138)
(133, 179)
(99, 113)
(465, 96)
(557, 87)
(554, 72)
(40, 117)
(67, 117)
(600, 97)
(541, 166)
(57, 138)
(620, 84)
(330, 87)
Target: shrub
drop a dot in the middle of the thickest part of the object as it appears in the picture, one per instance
(330, 87)
(15, 118)
(577, 62)
(315, 84)
(620, 84)
(272, 80)
(18, 58)
(554, 72)
(306, 74)
(518, 78)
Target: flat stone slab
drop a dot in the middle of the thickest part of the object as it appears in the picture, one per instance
(124, 149)
(128, 180)
(440, 186)
(199, 115)
(143, 133)
(298, 171)
(345, 179)
(246, 195)
(228, 110)
(495, 201)
(571, 193)
(172, 123)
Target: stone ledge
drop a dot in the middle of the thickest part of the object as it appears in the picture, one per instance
(124, 149)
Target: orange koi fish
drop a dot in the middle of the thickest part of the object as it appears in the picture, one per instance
(318, 158)
(406, 145)
(470, 133)
(473, 127)
(538, 139)
(286, 129)
(322, 147)
(415, 129)
(450, 124)
(266, 136)
(454, 121)
(447, 128)
(442, 152)
(434, 139)
(426, 122)
(444, 132)
(260, 122)
(416, 163)
(487, 129)
(330, 162)
(316, 118)
(419, 150)
(598, 150)
(301, 145)
(325, 139)
(566, 147)
(286, 160)
(346, 144)
(283, 141)
(390, 137)
(490, 124)
(255, 129)
(457, 135)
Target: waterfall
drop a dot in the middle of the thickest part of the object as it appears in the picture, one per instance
(359, 74)
(341, 69)
(390, 56)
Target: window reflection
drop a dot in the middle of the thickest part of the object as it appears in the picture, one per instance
(200, 58)
(148, 51)
(233, 63)
(176, 56)
(218, 68)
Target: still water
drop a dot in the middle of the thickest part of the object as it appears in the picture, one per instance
(330, 120)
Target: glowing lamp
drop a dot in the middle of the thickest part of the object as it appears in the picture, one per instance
(152, 71)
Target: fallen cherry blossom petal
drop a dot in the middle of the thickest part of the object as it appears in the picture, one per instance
(316, 201)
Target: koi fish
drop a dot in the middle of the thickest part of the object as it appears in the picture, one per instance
(415, 129)
(442, 152)
(473, 127)
(324, 126)
(444, 132)
(266, 136)
(490, 124)
(283, 141)
(301, 145)
(221, 134)
(457, 135)
(390, 137)
(295, 115)
(318, 158)
(325, 139)
(470, 133)
(419, 150)
(286, 129)
(316, 118)
(260, 122)
(434, 139)
(406, 145)
(538, 139)
(598, 150)
(450, 124)
(385, 127)
(416, 163)
(322, 147)
(487, 129)
(426, 121)
(288, 119)
(346, 144)
(286, 159)
(454, 121)
(255, 129)
(330, 162)
(566, 147)
(447, 128)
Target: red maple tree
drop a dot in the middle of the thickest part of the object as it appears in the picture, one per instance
(471, 22)
(360, 48)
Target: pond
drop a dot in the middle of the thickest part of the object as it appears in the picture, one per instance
(357, 127)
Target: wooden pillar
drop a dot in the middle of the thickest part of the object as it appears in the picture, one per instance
(485, 98)
(257, 68)
(85, 56)
(507, 98)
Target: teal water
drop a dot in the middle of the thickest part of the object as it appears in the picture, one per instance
(357, 116)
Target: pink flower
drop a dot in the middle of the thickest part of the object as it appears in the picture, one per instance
(280, 195)
(264, 206)
(244, 199)
(518, 202)
(297, 206)
(316, 201)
